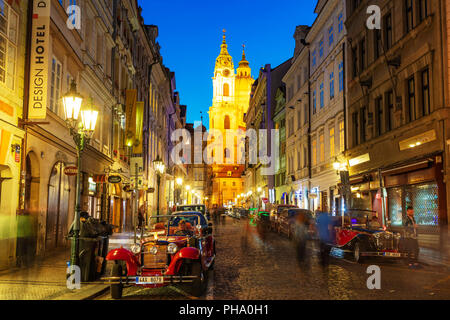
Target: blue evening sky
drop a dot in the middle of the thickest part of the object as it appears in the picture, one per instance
(190, 35)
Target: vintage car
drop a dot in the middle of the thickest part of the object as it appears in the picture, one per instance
(275, 214)
(176, 250)
(358, 236)
(289, 217)
(194, 207)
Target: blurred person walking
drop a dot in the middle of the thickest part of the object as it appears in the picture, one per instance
(324, 229)
(412, 244)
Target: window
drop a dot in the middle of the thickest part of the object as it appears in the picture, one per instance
(299, 119)
(411, 99)
(322, 102)
(322, 148)
(314, 58)
(390, 111)
(379, 116)
(341, 136)
(55, 85)
(226, 90)
(355, 62)
(305, 157)
(314, 152)
(355, 4)
(378, 43)
(305, 115)
(332, 143)
(423, 10)
(363, 124)
(332, 85)
(409, 15)
(362, 54)
(341, 76)
(340, 22)
(330, 36)
(388, 31)
(355, 128)
(226, 124)
(8, 41)
(425, 92)
(314, 102)
(321, 48)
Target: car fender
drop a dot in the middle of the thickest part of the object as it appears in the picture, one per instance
(185, 253)
(122, 254)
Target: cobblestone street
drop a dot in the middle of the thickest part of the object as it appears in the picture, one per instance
(249, 266)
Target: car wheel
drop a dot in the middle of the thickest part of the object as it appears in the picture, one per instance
(116, 289)
(199, 285)
(357, 250)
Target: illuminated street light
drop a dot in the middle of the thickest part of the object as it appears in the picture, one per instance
(160, 169)
(81, 132)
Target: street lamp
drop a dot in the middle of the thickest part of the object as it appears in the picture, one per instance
(82, 132)
(159, 168)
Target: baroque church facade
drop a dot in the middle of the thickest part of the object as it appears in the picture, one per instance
(230, 102)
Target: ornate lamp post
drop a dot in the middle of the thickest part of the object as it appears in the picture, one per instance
(82, 132)
(159, 168)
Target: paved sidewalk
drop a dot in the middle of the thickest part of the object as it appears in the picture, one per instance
(434, 257)
(46, 279)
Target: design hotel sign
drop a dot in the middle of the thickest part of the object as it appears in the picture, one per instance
(39, 59)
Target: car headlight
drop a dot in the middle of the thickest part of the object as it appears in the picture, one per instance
(135, 248)
(377, 235)
(172, 248)
(154, 250)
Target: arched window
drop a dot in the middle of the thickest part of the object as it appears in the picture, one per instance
(226, 90)
(226, 124)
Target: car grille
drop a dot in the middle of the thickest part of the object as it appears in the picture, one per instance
(387, 241)
(155, 261)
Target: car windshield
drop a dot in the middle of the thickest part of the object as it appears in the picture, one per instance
(358, 217)
(169, 225)
(281, 208)
(295, 212)
(199, 208)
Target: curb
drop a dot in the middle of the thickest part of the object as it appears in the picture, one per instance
(97, 294)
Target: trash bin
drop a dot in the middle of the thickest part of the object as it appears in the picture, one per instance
(93, 247)
(88, 248)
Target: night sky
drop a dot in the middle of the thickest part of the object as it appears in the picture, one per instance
(190, 35)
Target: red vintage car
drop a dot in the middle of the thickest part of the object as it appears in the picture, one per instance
(177, 250)
(362, 237)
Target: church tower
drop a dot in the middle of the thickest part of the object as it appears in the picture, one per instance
(231, 96)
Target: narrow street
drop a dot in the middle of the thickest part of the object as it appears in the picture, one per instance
(251, 267)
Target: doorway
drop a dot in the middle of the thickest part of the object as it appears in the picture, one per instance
(58, 206)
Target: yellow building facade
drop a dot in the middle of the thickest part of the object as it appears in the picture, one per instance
(230, 102)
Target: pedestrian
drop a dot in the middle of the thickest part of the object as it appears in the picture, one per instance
(324, 226)
(301, 225)
(412, 244)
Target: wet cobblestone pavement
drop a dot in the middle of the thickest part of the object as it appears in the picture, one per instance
(253, 266)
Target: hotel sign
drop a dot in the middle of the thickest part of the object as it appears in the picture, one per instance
(40, 35)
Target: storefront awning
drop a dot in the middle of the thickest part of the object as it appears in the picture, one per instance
(408, 168)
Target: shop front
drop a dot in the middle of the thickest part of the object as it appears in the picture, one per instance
(418, 184)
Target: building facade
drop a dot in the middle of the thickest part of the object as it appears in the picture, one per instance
(326, 40)
(13, 43)
(397, 115)
(298, 109)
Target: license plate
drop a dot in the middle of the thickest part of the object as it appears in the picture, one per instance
(149, 280)
(392, 254)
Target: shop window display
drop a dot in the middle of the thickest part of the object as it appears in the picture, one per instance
(424, 199)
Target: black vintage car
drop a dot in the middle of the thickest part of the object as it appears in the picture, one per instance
(362, 237)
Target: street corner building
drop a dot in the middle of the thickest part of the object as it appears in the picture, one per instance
(113, 59)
